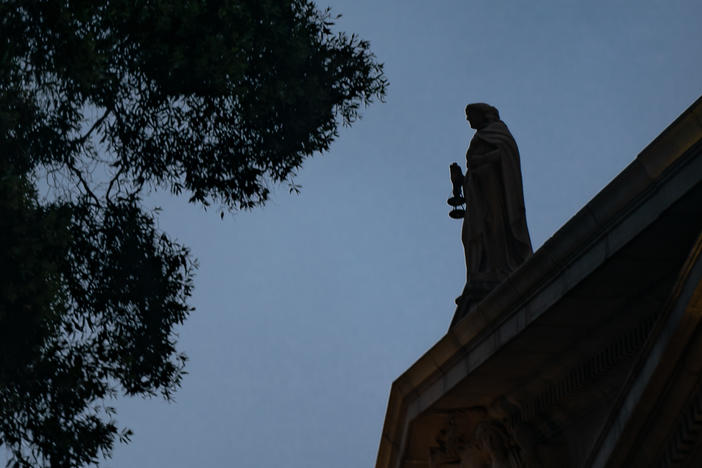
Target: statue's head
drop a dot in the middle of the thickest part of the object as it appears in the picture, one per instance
(480, 114)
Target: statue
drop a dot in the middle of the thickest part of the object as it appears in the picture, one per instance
(495, 235)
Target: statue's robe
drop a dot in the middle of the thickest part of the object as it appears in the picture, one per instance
(495, 234)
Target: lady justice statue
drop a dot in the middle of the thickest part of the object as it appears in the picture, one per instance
(495, 234)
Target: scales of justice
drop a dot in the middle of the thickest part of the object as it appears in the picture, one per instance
(457, 201)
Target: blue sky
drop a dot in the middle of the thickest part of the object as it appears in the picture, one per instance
(309, 308)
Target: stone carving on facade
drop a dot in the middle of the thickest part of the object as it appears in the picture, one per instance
(450, 444)
(499, 445)
(485, 437)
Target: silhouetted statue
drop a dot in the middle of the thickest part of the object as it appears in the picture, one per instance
(495, 235)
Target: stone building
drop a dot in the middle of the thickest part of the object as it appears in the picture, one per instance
(590, 354)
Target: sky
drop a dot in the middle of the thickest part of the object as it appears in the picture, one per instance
(307, 309)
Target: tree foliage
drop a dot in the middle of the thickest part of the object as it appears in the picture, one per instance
(213, 99)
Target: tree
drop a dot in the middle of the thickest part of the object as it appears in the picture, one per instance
(216, 100)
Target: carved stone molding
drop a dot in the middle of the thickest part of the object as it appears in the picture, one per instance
(686, 435)
(586, 373)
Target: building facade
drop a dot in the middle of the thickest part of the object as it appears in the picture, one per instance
(590, 354)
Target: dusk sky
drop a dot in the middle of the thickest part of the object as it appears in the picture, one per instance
(307, 309)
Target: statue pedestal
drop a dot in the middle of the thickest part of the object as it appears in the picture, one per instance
(473, 293)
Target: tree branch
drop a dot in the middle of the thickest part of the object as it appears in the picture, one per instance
(114, 179)
(83, 182)
(97, 123)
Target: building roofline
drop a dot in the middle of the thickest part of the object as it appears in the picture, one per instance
(605, 210)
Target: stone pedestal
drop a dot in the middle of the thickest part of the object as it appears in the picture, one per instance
(474, 292)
